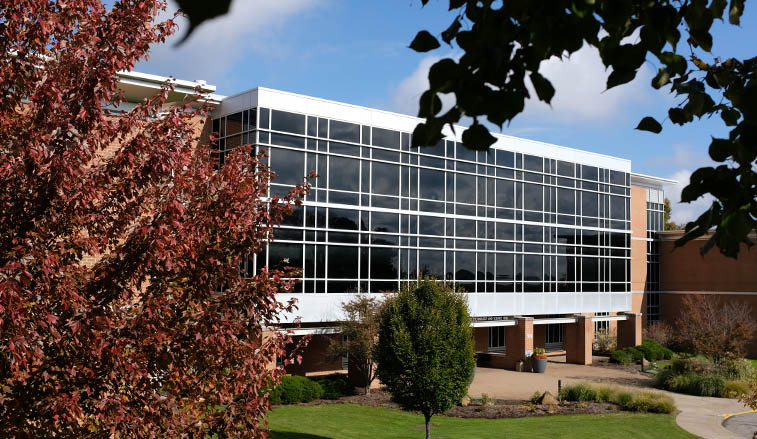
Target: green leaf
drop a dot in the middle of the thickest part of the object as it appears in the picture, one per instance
(451, 32)
(424, 42)
(662, 78)
(442, 73)
(735, 11)
(199, 11)
(618, 77)
(430, 104)
(478, 138)
(721, 149)
(680, 116)
(649, 124)
(426, 135)
(730, 117)
(543, 87)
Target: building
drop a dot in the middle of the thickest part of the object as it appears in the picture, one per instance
(684, 272)
(549, 242)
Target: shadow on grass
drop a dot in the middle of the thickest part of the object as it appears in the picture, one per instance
(277, 434)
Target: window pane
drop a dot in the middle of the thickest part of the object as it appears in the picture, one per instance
(533, 233)
(349, 132)
(504, 266)
(464, 153)
(590, 269)
(589, 204)
(532, 197)
(431, 184)
(285, 140)
(288, 165)
(281, 255)
(566, 202)
(465, 266)
(466, 188)
(465, 228)
(431, 263)
(532, 163)
(345, 173)
(589, 173)
(505, 158)
(344, 219)
(233, 123)
(343, 262)
(532, 268)
(505, 193)
(384, 263)
(617, 207)
(386, 138)
(287, 122)
(384, 222)
(431, 225)
(565, 168)
(344, 148)
(385, 179)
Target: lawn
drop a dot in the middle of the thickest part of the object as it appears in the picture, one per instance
(336, 421)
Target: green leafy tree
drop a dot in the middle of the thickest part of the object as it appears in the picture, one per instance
(425, 348)
(669, 225)
(504, 45)
(360, 335)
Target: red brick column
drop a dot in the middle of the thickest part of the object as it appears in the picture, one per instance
(578, 340)
(519, 341)
(629, 330)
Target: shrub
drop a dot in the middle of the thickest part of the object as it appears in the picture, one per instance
(651, 402)
(709, 385)
(605, 341)
(685, 383)
(605, 394)
(578, 392)
(334, 385)
(311, 390)
(738, 369)
(660, 332)
(535, 397)
(635, 353)
(621, 357)
(623, 398)
(735, 388)
(654, 352)
(294, 389)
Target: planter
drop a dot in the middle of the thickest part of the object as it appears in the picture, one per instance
(539, 365)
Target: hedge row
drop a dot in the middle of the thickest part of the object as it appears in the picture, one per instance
(645, 402)
(649, 349)
(295, 389)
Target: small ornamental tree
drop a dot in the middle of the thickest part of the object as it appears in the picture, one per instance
(123, 309)
(359, 335)
(425, 350)
(717, 330)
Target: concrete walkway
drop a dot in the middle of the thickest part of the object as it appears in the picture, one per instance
(698, 415)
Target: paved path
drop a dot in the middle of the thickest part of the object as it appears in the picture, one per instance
(699, 415)
(743, 426)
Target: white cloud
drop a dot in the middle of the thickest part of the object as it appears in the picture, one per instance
(580, 89)
(579, 81)
(250, 27)
(407, 93)
(684, 212)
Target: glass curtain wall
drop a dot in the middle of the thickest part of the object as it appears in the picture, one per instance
(381, 212)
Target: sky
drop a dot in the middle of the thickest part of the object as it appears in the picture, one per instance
(356, 52)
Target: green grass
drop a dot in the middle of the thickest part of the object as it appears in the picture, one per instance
(754, 362)
(334, 421)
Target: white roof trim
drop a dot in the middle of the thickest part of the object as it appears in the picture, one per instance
(648, 180)
(286, 101)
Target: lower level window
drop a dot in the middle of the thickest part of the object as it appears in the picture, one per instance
(497, 339)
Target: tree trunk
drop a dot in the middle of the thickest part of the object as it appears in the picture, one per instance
(428, 426)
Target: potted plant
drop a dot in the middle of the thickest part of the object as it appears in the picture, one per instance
(539, 360)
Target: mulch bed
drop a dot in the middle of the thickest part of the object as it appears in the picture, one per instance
(633, 368)
(499, 409)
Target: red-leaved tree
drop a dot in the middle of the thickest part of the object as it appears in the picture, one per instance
(123, 309)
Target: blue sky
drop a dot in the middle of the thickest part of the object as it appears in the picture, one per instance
(356, 52)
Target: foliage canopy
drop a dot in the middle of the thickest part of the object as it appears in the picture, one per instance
(425, 349)
(123, 310)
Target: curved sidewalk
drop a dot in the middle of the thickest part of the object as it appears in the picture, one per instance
(698, 415)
